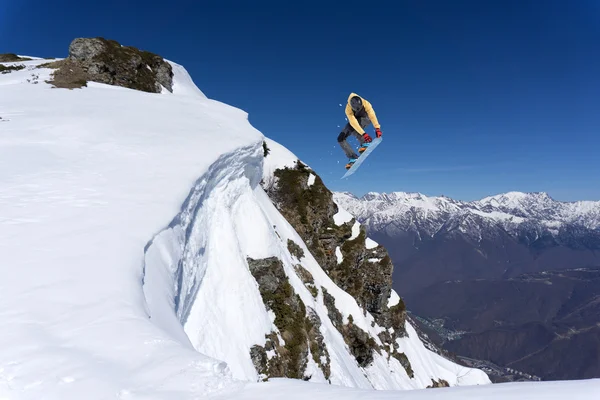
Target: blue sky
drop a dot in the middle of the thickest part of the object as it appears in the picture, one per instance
(474, 97)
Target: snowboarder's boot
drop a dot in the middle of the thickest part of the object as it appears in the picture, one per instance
(351, 162)
(363, 147)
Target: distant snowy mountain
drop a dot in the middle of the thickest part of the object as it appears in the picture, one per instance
(136, 262)
(514, 212)
(438, 238)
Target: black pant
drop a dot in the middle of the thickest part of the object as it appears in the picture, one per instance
(348, 130)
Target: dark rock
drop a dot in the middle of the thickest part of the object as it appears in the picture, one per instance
(310, 210)
(11, 57)
(68, 75)
(258, 354)
(397, 318)
(290, 318)
(86, 49)
(164, 74)
(268, 272)
(403, 359)
(318, 348)
(332, 312)
(304, 275)
(438, 384)
(106, 61)
(7, 70)
(295, 249)
(361, 345)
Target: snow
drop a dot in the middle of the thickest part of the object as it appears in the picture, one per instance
(342, 217)
(505, 198)
(499, 216)
(124, 254)
(87, 180)
(394, 299)
(279, 157)
(370, 244)
(355, 230)
(311, 179)
(338, 254)
(297, 390)
(183, 85)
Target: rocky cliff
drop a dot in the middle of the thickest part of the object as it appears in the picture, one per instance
(352, 261)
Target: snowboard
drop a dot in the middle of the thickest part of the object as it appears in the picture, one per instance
(363, 157)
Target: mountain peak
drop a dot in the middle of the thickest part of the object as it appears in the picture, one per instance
(393, 196)
(371, 196)
(516, 196)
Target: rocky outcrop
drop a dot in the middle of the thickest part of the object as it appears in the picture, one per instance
(11, 57)
(107, 61)
(8, 69)
(438, 384)
(307, 279)
(364, 273)
(361, 345)
(403, 359)
(318, 349)
(298, 327)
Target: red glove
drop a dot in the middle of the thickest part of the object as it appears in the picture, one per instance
(367, 138)
(378, 132)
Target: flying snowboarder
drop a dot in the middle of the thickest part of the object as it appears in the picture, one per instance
(360, 114)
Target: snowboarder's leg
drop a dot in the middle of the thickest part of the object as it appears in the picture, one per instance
(358, 137)
(348, 150)
(342, 140)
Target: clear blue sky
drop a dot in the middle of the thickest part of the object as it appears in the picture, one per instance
(474, 97)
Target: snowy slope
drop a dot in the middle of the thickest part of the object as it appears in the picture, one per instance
(295, 390)
(87, 178)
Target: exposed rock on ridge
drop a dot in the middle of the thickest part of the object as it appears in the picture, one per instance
(107, 61)
(299, 331)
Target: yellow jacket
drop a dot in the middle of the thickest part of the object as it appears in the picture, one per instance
(352, 119)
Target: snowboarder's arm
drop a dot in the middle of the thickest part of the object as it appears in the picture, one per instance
(371, 114)
(353, 121)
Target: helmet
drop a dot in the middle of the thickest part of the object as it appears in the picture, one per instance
(356, 103)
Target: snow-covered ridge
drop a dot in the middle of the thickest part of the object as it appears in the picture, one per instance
(87, 178)
(399, 211)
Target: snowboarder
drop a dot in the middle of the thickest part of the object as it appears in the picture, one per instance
(360, 114)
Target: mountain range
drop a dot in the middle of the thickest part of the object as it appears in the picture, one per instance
(498, 236)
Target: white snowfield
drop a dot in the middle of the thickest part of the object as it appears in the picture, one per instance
(125, 223)
(298, 390)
